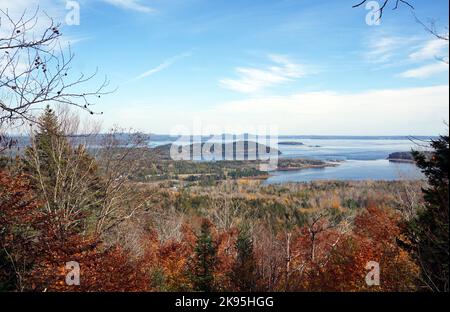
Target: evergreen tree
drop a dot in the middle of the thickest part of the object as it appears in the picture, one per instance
(205, 261)
(243, 274)
(64, 176)
(48, 124)
(39, 159)
(430, 229)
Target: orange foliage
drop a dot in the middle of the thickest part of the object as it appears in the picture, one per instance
(33, 240)
(317, 256)
(101, 269)
(374, 238)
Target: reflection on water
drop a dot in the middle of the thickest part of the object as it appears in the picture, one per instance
(351, 170)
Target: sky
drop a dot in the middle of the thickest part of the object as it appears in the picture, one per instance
(304, 67)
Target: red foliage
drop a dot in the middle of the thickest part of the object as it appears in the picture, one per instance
(374, 238)
(318, 256)
(37, 249)
(100, 270)
(18, 211)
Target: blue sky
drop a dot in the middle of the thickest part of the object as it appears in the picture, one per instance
(307, 67)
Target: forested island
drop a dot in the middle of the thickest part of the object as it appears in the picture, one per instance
(293, 143)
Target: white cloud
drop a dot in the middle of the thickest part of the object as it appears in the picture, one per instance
(404, 49)
(57, 8)
(40, 14)
(19, 5)
(16, 8)
(134, 5)
(167, 63)
(425, 71)
(431, 49)
(66, 42)
(377, 112)
(44, 13)
(254, 79)
(409, 111)
(385, 49)
(401, 51)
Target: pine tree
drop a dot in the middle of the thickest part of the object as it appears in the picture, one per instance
(430, 230)
(48, 124)
(243, 274)
(46, 139)
(64, 176)
(205, 261)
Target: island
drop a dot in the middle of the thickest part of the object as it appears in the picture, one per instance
(290, 143)
(237, 150)
(401, 157)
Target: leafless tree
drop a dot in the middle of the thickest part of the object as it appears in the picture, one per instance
(119, 155)
(35, 69)
(167, 222)
(71, 190)
(384, 5)
(317, 224)
(408, 197)
(431, 27)
(91, 175)
(6, 142)
(224, 212)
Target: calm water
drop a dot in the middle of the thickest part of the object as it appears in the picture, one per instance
(345, 149)
(350, 170)
(359, 159)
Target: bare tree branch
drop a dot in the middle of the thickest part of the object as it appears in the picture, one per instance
(385, 3)
(431, 28)
(35, 71)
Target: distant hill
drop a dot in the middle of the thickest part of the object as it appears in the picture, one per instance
(407, 156)
(290, 143)
(403, 156)
(231, 151)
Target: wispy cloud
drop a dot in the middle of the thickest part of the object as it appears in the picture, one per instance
(430, 49)
(44, 9)
(167, 63)
(66, 42)
(425, 71)
(385, 49)
(255, 79)
(134, 5)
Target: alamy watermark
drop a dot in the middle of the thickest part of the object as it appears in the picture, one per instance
(73, 276)
(373, 18)
(255, 144)
(373, 277)
(72, 17)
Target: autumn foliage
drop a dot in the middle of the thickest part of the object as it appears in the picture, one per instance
(34, 253)
(321, 256)
(58, 207)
